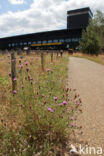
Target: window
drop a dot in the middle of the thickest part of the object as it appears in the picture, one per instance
(68, 40)
(44, 41)
(49, 41)
(75, 39)
(61, 40)
(34, 42)
(25, 43)
(55, 40)
(39, 42)
(29, 42)
(13, 44)
(9, 45)
(21, 43)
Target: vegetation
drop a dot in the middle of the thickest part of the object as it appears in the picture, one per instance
(40, 114)
(93, 37)
(98, 59)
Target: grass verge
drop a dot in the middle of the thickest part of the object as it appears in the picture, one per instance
(39, 117)
(98, 59)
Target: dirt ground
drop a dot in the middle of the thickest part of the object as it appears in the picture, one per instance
(87, 78)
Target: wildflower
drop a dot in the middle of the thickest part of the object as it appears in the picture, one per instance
(72, 118)
(22, 86)
(9, 73)
(67, 89)
(31, 78)
(8, 54)
(26, 63)
(77, 103)
(14, 92)
(50, 109)
(61, 104)
(55, 98)
(64, 102)
(21, 65)
(48, 70)
(73, 125)
(15, 79)
(19, 61)
(27, 69)
(13, 60)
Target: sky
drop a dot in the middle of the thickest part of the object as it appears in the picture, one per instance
(29, 16)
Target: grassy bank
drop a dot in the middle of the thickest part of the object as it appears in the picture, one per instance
(98, 59)
(39, 116)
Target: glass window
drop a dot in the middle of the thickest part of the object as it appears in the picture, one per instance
(55, 40)
(25, 43)
(13, 44)
(75, 39)
(34, 42)
(29, 42)
(68, 40)
(21, 43)
(61, 40)
(44, 41)
(49, 41)
(9, 45)
(39, 42)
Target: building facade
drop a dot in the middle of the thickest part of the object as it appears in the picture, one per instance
(77, 20)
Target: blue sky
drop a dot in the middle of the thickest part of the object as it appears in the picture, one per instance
(6, 6)
(28, 16)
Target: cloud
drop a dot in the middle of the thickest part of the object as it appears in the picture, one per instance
(42, 16)
(16, 2)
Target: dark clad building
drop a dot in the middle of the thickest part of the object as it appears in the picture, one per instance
(77, 20)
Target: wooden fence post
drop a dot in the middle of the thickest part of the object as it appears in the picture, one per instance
(42, 60)
(51, 56)
(61, 53)
(57, 54)
(13, 70)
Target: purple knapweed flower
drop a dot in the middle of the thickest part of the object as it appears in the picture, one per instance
(61, 104)
(8, 54)
(77, 103)
(26, 63)
(13, 60)
(50, 109)
(22, 86)
(31, 78)
(55, 98)
(14, 92)
(72, 118)
(21, 65)
(27, 69)
(48, 70)
(64, 102)
(73, 125)
(15, 79)
(9, 73)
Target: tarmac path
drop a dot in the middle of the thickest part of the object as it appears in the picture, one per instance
(87, 78)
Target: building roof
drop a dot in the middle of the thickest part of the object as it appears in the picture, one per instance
(80, 10)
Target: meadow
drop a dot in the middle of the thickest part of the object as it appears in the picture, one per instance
(38, 117)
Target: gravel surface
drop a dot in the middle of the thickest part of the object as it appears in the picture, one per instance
(87, 78)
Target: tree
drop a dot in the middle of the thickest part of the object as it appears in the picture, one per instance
(93, 37)
(89, 43)
(99, 27)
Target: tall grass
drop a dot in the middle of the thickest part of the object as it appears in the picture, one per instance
(98, 59)
(39, 116)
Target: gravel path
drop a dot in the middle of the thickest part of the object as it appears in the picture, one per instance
(88, 78)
